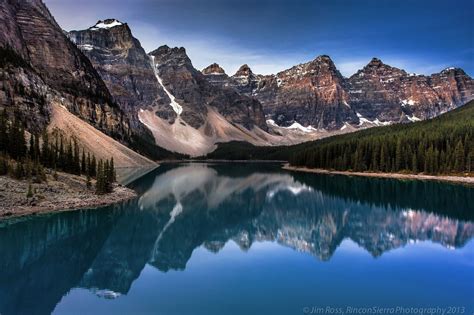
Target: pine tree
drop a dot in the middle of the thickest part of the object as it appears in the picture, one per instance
(414, 163)
(45, 150)
(459, 157)
(112, 174)
(100, 183)
(383, 158)
(61, 155)
(29, 193)
(83, 163)
(69, 158)
(76, 160)
(21, 143)
(398, 155)
(470, 160)
(93, 167)
(106, 175)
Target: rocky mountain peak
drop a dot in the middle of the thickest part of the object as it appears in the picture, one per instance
(375, 62)
(165, 49)
(213, 69)
(165, 53)
(106, 24)
(323, 59)
(321, 65)
(454, 71)
(244, 71)
(377, 68)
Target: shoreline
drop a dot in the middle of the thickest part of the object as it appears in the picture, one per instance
(68, 193)
(443, 178)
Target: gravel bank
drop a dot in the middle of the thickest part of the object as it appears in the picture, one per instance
(68, 192)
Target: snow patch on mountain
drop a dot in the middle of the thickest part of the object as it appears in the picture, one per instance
(376, 122)
(106, 24)
(176, 107)
(294, 126)
(413, 118)
(86, 47)
(297, 126)
(408, 102)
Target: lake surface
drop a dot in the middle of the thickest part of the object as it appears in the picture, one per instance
(247, 239)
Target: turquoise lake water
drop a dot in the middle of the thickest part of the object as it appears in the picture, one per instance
(248, 239)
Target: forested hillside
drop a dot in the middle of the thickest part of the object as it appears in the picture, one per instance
(28, 161)
(439, 146)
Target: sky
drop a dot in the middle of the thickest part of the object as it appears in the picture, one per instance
(420, 36)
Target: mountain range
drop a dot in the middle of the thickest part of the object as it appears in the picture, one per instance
(101, 77)
(317, 96)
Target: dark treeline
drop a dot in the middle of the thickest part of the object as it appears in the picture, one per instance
(22, 160)
(444, 145)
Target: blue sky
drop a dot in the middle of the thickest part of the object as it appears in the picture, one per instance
(419, 36)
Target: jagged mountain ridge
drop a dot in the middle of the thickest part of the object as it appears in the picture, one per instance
(164, 92)
(143, 96)
(123, 65)
(316, 95)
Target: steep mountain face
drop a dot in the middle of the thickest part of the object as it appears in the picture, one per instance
(375, 91)
(44, 67)
(104, 76)
(312, 94)
(379, 91)
(164, 92)
(215, 75)
(194, 93)
(124, 66)
(245, 80)
(203, 113)
(315, 96)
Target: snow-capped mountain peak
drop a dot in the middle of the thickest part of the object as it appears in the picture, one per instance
(106, 24)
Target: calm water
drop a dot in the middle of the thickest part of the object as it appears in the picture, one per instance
(246, 239)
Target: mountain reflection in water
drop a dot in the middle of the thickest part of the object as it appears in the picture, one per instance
(184, 207)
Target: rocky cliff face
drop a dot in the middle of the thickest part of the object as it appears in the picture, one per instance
(194, 93)
(313, 93)
(379, 91)
(124, 66)
(165, 92)
(215, 75)
(316, 96)
(48, 68)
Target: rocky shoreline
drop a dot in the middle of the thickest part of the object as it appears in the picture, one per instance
(66, 192)
(443, 178)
